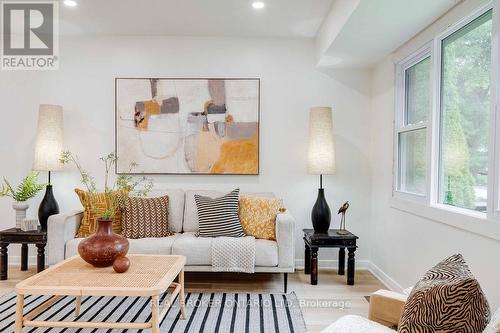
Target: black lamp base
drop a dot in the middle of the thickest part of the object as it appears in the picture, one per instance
(321, 215)
(48, 207)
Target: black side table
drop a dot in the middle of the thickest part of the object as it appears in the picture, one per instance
(315, 241)
(17, 236)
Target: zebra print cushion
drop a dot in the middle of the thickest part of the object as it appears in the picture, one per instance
(219, 217)
(447, 299)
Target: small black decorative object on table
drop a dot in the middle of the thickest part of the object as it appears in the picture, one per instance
(313, 241)
(343, 210)
(17, 236)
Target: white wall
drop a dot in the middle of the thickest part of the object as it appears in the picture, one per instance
(290, 86)
(404, 246)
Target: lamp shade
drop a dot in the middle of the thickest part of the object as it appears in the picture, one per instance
(49, 138)
(321, 155)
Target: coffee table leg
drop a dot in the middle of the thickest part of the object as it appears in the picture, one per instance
(78, 305)
(155, 322)
(181, 300)
(19, 314)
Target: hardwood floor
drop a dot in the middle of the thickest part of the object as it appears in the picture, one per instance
(321, 304)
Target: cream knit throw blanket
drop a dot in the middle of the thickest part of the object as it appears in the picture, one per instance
(233, 254)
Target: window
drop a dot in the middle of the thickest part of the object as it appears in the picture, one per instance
(412, 126)
(442, 123)
(465, 115)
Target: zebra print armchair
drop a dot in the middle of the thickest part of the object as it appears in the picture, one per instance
(383, 316)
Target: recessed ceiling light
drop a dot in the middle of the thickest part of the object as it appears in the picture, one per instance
(258, 4)
(70, 3)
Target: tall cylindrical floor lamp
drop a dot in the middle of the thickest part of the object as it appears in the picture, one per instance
(321, 161)
(48, 148)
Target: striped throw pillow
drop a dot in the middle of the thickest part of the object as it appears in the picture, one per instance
(219, 217)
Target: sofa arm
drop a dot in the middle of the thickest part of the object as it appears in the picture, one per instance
(285, 236)
(386, 307)
(60, 229)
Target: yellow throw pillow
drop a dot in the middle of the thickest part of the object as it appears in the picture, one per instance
(258, 216)
(95, 204)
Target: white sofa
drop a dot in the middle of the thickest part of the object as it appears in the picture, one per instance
(270, 256)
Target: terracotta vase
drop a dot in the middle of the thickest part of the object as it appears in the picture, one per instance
(102, 248)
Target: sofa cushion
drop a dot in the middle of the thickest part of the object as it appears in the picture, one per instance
(258, 216)
(356, 324)
(191, 222)
(95, 204)
(447, 298)
(198, 250)
(175, 207)
(218, 217)
(146, 218)
(137, 246)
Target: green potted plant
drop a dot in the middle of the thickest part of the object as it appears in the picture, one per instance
(26, 190)
(104, 246)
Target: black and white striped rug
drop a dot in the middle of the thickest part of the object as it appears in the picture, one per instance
(206, 312)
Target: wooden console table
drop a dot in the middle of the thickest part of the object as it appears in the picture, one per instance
(17, 236)
(314, 241)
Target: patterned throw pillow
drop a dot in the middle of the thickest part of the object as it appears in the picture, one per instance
(447, 299)
(95, 204)
(146, 218)
(219, 217)
(258, 216)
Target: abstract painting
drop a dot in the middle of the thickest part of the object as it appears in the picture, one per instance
(187, 126)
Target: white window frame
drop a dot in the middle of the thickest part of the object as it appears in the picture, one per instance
(433, 209)
(399, 123)
(436, 120)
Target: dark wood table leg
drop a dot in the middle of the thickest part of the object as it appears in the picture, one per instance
(307, 260)
(24, 257)
(341, 261)
(314, 266)
(350, 266)
(3, 261)
(40, 257)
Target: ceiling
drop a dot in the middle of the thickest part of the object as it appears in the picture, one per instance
(280, 18)
(348, 33)
(375, 28)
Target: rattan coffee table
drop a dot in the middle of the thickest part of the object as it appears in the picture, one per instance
(148, 276)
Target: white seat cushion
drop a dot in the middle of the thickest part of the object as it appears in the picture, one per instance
(137, 246)
(198, 250)
(191, 212)
(356, 324)
(266, 253)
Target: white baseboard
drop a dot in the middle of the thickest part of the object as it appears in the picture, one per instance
(16, 260)
(389, 282)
